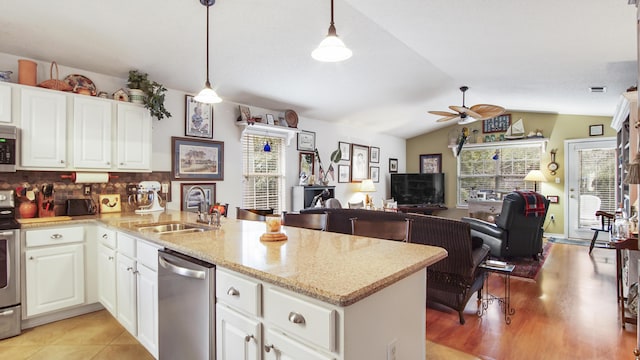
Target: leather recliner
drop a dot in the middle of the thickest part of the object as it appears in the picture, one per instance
(514, 234)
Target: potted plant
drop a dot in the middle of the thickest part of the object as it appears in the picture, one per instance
(149, 93)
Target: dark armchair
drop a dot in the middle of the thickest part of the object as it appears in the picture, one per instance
(517, 231)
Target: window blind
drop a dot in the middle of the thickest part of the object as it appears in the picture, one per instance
(597, 169)
(263, 172)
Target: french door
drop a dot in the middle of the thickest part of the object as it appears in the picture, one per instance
(590, 184)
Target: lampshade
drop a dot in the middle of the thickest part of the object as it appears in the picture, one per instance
(633, 172)
(331, 49)
(367, 186)
(207, 95)
(535, 175)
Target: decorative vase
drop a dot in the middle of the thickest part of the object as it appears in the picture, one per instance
(27, 209)
(27, 72)
(136, 96)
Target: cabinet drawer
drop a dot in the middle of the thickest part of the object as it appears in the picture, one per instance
(126, 245)
(107, 237)
(147, 254)
(299, 317)
(238, 292)
(54, 236)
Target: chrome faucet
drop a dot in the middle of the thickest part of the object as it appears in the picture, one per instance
(203, 209)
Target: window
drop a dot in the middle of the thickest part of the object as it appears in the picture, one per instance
(263, 172)
(497, 168)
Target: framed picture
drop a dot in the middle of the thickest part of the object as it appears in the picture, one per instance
(345, 150)
(198, 119)
(359, 162)
(270, 119)
(192, 194)
(596, 130)
(306, 141)
(430, 163)
(343, 173)
(374, 173)
(245, 113)
(197, 159)
(499, 123)
(307, 161)
(393, 166)
(553, 199)
(374, 155)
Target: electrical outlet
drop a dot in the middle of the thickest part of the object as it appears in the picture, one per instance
(87, 189)
(552, 217)
(165, 188)
(391, 350)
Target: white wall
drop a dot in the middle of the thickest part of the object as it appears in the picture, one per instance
(226, 130)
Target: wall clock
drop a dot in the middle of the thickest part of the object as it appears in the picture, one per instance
(553, 165)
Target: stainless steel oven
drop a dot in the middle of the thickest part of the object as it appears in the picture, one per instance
(10, 311)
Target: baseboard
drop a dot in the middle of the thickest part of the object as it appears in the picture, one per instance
(550, 235)
(59, 315)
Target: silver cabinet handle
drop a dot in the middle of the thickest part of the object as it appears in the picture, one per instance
(104, 236)
(110, 257)
(6, 313)
(248, 338)
(61, 161)
(233, 292)
(268, 348)
(136, 272)
(121, 163)
(30, 257)
(129, 268)
(56, 236)
(296, 318)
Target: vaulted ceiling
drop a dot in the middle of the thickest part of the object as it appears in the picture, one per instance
(409, 56)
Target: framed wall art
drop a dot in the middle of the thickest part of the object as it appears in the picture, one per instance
(553, 199)
(374, 155)
(307, 161)
(343, 173)
(596, 130)
(499, 123)
(245, 113)
(192, 194)
(345, 150)
(270, 119)
(374, 174)
(430, 163)
(393, 166)
(306, 141)
(198, 118)
(359, 162)
(196, 159)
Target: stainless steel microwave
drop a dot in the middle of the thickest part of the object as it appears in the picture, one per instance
(8, 138)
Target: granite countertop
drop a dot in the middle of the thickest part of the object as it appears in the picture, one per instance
(336, 268)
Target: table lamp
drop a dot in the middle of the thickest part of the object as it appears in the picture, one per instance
(366, 186)
(535, 176)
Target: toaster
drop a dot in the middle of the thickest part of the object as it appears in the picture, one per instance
(77, 207)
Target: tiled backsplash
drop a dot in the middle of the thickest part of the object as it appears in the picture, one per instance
(66, 189)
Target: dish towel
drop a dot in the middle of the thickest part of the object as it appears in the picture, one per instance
(533, 203)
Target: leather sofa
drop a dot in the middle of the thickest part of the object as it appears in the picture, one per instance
(451, 281)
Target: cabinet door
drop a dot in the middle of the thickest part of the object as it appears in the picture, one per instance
(134, 137)
(237, 336)
(5, 103)
(280, 347)
(54, 278)
(148, 308)
(126, 293)
(107, 278)
(92, 119)
(43, 129)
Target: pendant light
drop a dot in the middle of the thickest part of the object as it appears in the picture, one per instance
(331, 49)
(207, 95)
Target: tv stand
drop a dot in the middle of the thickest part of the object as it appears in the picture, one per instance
(426, 209)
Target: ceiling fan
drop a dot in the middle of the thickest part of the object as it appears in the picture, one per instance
(466, 115)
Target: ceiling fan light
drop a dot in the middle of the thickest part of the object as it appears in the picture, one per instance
(331, 49)
(207, 96)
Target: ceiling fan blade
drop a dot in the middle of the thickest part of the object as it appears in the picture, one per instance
(487, 111)
(447, 118)
(443, 113)
(464, 110)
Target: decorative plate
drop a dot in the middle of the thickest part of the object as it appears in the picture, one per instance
(291, 118)
(80, 82)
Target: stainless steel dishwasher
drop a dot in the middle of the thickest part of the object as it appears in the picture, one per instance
(186, 303)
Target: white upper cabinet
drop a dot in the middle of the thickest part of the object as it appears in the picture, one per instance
(5, 103)
(43, 129)
(134, 137)
(92, 124)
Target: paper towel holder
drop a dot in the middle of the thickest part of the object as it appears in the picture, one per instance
(74, 176)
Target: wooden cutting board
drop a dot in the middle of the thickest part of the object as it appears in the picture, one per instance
(44, 219)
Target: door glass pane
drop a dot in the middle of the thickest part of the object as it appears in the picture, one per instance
(597, 184)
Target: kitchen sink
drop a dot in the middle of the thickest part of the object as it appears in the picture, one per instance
(171, 228)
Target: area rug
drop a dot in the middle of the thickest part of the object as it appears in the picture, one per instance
(528, 267)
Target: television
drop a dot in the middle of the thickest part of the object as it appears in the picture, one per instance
(418, 189)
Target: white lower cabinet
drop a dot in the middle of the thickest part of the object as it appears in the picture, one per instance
(148, 308)
(278, 346)
(107, 269)
(238, 336)
(126, 293)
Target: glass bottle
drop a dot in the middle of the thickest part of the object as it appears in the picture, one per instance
(620, 229)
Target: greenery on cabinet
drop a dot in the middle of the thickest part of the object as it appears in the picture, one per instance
(154, 93)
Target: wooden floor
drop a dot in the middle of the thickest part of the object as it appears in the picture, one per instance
(570, 312)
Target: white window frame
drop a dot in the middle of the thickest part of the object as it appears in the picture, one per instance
(249, 201)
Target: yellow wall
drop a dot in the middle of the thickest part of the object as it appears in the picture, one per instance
(556, 128)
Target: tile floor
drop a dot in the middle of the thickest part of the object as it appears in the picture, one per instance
(95, 335)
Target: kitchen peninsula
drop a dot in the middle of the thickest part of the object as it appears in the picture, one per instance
(362, 297)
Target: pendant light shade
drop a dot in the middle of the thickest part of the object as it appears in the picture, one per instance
(207, 95)
(331, 49)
